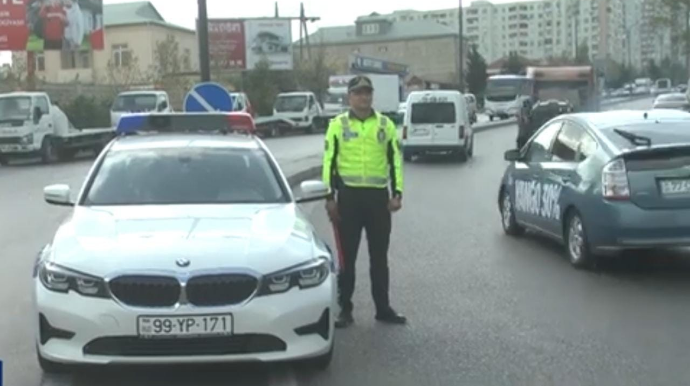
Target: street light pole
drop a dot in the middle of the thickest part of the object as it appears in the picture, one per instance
(462, 51)
(202, 30)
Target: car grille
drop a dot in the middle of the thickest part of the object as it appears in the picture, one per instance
(161, 291)
(146, 291)
(127, 346)
(218, 290)
(10, 140)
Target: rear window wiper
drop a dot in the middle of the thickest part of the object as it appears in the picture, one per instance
(635, 139)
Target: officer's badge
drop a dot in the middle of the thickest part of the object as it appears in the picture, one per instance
(381, 136)
(348, 135)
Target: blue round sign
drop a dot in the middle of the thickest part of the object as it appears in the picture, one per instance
(208, 97)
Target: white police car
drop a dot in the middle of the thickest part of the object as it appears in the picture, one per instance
(184, 246)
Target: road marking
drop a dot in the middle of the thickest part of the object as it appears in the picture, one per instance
(282, 375)
(201, 100)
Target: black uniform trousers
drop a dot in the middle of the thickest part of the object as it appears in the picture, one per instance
(364, 209)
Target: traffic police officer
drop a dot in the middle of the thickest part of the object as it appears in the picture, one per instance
(362, 158)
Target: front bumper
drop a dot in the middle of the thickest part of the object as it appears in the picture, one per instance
(620, 226)
(265, 329)
(18, 149)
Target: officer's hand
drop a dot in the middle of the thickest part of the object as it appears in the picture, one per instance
(332, 209)
(395, 204)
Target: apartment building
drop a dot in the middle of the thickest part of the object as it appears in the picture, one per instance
(655, 41)
(536, 29)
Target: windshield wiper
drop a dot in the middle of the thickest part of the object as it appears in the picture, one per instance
(635, 139)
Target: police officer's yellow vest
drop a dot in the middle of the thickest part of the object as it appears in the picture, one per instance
(364, 154)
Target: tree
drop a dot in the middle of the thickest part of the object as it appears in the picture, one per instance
(475, 77)
(169, 66)
(261, 88)
(674, 70)
(582, 56)
(513, 65)
(674, 16)
(653, 71)
(312, 74)
(124, 74)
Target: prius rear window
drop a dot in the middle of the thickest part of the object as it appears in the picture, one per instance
(430, 113)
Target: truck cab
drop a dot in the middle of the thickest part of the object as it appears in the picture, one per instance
(299, 107)
(139, 102)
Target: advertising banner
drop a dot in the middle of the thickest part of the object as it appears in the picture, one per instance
(227, 42)
(44, 25)
(269, 39)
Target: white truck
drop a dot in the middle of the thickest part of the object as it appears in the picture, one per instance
(30, 126)
(142, 101)
(386, 94)
(301, 108)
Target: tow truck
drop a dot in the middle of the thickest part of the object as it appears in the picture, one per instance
(31, 126)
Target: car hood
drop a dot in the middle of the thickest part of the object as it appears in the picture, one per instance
(106, 241)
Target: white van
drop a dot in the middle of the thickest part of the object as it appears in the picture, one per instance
(437, 121)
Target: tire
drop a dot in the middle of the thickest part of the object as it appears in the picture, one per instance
(491, 118)
(50, 367)
(322, 362)
(508, 221)
(460, 155)
(309, 129)
(48, 151)
(576, 242)
(470, 151)
(4, 161)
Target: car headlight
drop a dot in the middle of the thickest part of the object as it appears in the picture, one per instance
(27, 139)
(309, 275)
(60, 279)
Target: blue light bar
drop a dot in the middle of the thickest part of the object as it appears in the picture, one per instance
(185, 123)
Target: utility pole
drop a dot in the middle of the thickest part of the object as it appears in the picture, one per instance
(204, 56)
(462, 48)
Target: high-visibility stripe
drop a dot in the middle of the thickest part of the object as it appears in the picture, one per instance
(364, 180)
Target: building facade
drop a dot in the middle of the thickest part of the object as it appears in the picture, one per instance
(132, 33)
(533, 29)
(429, 50)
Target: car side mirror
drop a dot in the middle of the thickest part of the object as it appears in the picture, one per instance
(313, 191)
(163, 106)
(38, 114)
(512, 155)
(60, 195)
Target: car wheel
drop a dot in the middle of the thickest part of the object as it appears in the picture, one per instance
(50, 367)
(48, 151)
(576, 242)
(309, 129)
(510, 225)
(322, 362)
(470, 151)
(4, 161)
(491, 118)
(460, 155)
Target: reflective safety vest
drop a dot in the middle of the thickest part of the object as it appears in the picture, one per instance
(363, 154)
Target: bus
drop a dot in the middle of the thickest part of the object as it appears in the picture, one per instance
(575, 84)
(505, 95)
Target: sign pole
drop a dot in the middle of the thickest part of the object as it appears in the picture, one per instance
(462, 51)
(204, 59)
(31, 71)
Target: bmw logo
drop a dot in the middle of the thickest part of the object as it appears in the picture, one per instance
(183, 263)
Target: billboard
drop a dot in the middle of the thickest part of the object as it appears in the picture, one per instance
(44, 25)
(241, 44)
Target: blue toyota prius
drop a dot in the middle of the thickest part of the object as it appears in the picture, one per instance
(602, 183)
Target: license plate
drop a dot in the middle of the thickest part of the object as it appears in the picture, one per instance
(420, 132)
(675, 187)
(185, 325)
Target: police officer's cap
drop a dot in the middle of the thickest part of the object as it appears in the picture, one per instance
(359, 82)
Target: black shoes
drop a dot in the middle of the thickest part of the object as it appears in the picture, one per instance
(389, 316)
(344, 320)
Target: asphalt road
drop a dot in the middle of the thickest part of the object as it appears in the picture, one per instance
(484, 309)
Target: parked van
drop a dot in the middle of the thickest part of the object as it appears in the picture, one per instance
(437, 121)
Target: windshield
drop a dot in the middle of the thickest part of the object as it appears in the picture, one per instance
(135, 103)
(185, 176)
(433, 113)
(336, 99)
(503, 90)
(18, 108)
(296, 103)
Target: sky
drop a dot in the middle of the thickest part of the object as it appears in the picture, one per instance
(332, 13)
